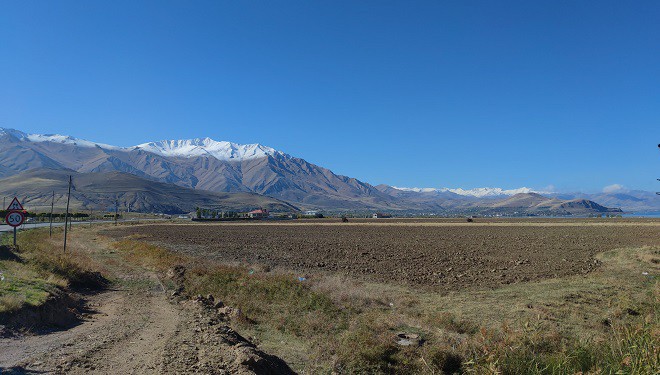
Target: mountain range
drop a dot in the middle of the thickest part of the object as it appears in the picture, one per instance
(201, 164)
(38, 188)
(196, 169)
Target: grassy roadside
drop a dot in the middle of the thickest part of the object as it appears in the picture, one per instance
(604, 322)
(39, 269)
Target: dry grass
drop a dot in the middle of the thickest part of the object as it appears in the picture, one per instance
(601, 323)
(604, 322)
(148, 255)
(41, 268)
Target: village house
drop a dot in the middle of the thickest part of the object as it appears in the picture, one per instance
(258, 214)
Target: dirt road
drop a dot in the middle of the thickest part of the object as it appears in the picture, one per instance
(136, 328)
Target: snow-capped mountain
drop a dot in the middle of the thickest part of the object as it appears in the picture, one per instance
(206, 146)
(477, 192)
(202, 164)
(55, 138)
(219, 166)
(186, 148)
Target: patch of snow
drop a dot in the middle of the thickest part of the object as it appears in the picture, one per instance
(477, 192)
(56, 138)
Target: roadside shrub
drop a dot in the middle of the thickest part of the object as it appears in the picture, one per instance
(77, 268)
(63, 266)
(277, 300)
(631, 349)
(450, 323)
(367, 347)
(634, 349)
(148, 255)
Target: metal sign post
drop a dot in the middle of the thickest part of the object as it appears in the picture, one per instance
(52, 204)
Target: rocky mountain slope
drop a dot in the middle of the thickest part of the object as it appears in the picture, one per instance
(100, 191)
(201, 164)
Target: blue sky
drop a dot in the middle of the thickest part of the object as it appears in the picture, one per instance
(408, 93)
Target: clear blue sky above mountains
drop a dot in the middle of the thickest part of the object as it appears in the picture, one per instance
(408, 93)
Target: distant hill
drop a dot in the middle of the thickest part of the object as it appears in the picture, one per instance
(526, 200)
(100, 191)
(520, 203)
(532, 203)
(627, 200)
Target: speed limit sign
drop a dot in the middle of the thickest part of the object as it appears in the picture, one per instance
(15, 218)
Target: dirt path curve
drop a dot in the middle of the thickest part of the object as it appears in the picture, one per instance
(126, 334)
(21, 350)
(137, 329)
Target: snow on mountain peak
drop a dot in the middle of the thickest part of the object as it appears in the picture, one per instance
(55, 138)
(477, 192)
(221, 150)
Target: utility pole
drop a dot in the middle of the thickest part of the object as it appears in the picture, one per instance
(66, 216)
(658, 192)
(116, 210)
(52, 204)
(90, 217)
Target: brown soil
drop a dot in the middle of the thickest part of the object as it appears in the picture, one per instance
(426, 253)
(137, 328)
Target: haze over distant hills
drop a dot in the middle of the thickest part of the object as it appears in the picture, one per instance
(212, 166)
(627, 200)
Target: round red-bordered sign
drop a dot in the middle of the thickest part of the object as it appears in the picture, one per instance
(14, 218)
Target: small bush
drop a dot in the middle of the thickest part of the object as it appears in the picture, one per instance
(450, 323)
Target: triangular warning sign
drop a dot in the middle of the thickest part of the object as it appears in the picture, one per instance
(15, 205)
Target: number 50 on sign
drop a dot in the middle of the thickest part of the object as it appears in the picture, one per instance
(15, 218)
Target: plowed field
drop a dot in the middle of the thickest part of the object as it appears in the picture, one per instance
(448, 256)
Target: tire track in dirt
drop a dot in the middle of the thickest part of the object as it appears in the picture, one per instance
(127, 335)
(136, 342)
(138, 330)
